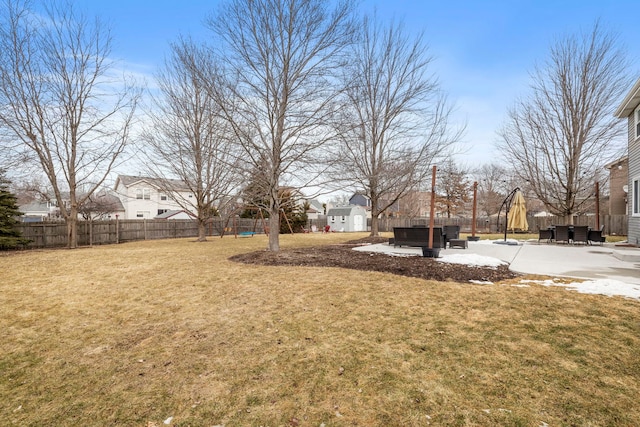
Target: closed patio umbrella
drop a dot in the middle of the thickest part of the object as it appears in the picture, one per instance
(517, 217)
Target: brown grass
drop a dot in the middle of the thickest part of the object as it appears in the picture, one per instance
(136, 333)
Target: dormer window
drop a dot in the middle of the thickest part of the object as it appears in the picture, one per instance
(636, 115)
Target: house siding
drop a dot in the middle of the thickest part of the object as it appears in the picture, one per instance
(126, 188)
(634, 173)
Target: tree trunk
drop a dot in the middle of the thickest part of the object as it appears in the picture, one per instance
(274, 231)
(72, 228)
(375, 224)
(202, 231)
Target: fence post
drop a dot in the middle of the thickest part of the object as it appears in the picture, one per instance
(117, 230)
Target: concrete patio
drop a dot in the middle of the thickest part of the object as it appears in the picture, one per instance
(530, 257)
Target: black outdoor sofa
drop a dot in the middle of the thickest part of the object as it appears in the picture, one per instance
(418, 236)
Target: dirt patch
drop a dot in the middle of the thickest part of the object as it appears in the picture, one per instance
(344, 256)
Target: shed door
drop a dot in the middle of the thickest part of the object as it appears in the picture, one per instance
(358, 223)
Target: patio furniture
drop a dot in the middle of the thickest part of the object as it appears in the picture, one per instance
(597, 236)
(580, 234)
(451, 232)
(546, 235)
(458, 243)
(562, 233)
(417, 236)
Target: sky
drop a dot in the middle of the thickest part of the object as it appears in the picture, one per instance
(483, 50)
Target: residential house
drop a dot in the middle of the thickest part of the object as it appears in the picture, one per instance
(618, 186)
(629, 109)
(36, 211)
(360, 199)
(316, 210)
(413, 204)
(103, 206)
(146, 197)
(347, 218)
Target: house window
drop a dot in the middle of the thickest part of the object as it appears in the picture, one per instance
(163, 197)
(635, 197)
(143, 194)
(161, 211)
(636, 115)
(142, 214)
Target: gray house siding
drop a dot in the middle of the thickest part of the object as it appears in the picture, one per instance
(627, 110)
(634, 174)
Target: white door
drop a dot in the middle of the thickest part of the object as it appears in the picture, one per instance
(358, 223)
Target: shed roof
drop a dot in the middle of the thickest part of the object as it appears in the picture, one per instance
(343, 210)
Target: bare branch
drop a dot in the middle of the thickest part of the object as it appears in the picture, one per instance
(564, 131)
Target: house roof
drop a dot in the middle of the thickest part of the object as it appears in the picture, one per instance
(104, 200)
(343, 210)
(172, 184)
(34, 208)
(172, 213)
(615, 163)
(630, 102)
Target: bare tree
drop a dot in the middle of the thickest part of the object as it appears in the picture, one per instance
(453, 190)
(281, 55)
(188, 138)
(492, 187)
(396, 120)
(564, 130)
(59, 100)
(100, 205)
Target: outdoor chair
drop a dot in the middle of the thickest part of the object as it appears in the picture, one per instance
(580, 234)
(597, 236)
(562, 233)
(451, 232)
(546, 234)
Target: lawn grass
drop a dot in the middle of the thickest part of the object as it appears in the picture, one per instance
(136, 333)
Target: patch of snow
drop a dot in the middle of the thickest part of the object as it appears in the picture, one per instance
(471, 260)
(490, 242)
(607, 287)
(481, 282)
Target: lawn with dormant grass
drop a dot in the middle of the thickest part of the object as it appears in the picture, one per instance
(144, 333)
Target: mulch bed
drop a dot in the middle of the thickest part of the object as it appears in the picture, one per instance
(344, 256)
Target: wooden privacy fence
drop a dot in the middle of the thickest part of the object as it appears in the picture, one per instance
(54, 234)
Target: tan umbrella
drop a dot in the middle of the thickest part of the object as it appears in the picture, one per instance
(517, 217)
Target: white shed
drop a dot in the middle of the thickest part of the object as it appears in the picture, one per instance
(347, 218)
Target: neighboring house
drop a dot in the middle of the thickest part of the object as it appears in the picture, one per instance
(347, 218)
(315, 210)
(35, 211)
(618, 186)
(360, 199)
(102, 206)
(145, 197)
(630, 109)
(177, 214)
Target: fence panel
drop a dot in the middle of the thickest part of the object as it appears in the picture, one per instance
(54, 234)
